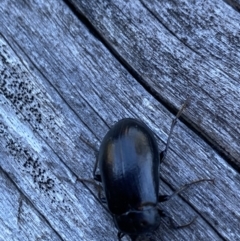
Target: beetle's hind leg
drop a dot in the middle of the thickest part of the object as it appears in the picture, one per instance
(164, 198)
(173, 223)
(174, 122)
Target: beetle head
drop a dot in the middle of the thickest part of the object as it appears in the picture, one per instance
(136, 222)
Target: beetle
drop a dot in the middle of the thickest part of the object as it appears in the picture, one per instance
(128, 160)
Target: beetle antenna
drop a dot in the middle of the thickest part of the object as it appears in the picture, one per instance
(174, 121)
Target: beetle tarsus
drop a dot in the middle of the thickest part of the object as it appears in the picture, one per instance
(163, 198)
(177, 226)
(120, 235)
(163, 155)
(173, 223)
(87, 180)
(133, 237)
(97, 177)
(101, 198)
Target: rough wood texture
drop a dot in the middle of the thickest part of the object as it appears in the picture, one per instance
(61, 89)
(234, 3)
(179, 48)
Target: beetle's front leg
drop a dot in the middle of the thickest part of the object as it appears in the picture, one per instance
(174, 121)
(96, 177)
(120, 235)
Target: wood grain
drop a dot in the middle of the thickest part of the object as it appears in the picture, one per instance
(60, 91)
(180, 48)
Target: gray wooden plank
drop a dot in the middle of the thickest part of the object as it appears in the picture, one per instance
(234, 3)
(19, 220)
(179, 48)
(28, 120)
(61, 91)
(36, 165)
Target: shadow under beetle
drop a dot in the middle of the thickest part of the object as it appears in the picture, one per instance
(129, 160)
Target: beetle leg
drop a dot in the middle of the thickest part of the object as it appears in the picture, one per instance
(97, 177)
(94, 184)
(120, 235)
(133, 237)
(95, 167)
(101, 198)
(174, 121)
(176, 225)
(164, 198)
(173, 223)
(162, 213)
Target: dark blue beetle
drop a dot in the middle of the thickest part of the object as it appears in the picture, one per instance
(129, 161)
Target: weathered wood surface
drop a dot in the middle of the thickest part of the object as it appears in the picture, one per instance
(179, 48)
(61, 89)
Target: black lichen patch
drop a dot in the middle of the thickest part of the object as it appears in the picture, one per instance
(17, 88)
(20, 89)
(29, 163)
(16, 85)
